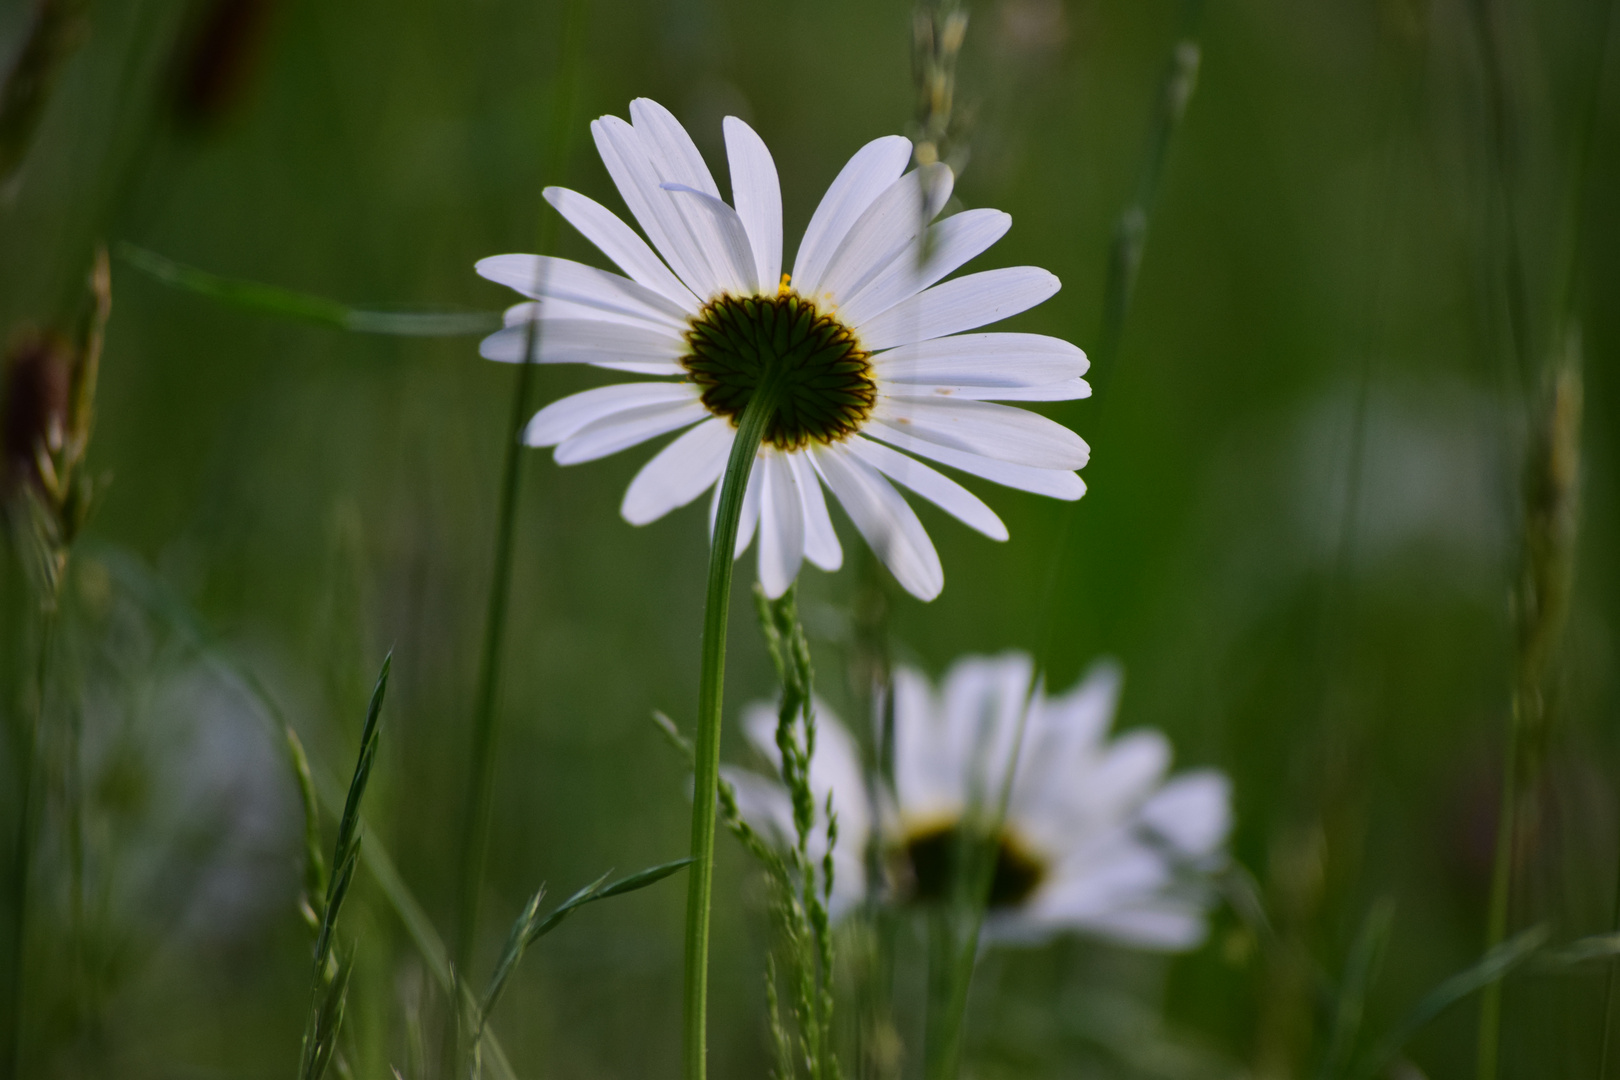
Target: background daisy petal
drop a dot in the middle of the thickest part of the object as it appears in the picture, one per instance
(1192, 812)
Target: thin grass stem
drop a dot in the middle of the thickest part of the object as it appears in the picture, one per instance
(474, 838)
(711, 695)
(1176, 89)
(27, 826)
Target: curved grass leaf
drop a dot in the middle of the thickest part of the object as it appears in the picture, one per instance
(530, 927)
(331, 978)
(1489, 970)
(164, 603)
(1360, 968)
(274, 300)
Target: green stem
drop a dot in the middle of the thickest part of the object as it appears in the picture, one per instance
(1608, 994)
(475, 824)
(1496, 918)
(1176, 89)
(22, 870)
(711, 693)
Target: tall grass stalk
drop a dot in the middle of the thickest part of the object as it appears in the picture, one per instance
(804, 892)
(27, 826)
(329, 993)
(474, 836)
(1125, 253)
(711, 700)
(1551, 474)
(45, 517)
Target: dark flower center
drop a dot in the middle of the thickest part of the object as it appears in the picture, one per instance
(822, 379)
(934, 858)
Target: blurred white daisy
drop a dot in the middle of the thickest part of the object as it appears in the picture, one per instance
(866, 348)
(1096, 839)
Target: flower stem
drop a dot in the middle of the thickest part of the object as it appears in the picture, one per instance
(711, 694)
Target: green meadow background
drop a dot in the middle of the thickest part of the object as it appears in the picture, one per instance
(1300, 537)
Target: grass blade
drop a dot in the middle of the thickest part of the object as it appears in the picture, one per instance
(1360, 968)
(287, 304)
(331, 978)
(1487, 972)
(530, 928)
(156, 596)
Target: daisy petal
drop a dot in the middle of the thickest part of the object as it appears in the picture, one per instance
(821, 545)
(949, 244)
(727, 235)
(678, 473)
(1056, 483)
(552, 308)
(763, 803)
(750, 509)
(886, 229)
(541, 276)
(867, 175)
(882, 516)
(1002, 432)
(960, 304)
(563, 418)
(749, 516)
(927, 768)
(781, 525)
(676, 160)
(1154, 924)
(757, 194)
(630, 164)
(667, 141)
(983, 360)
(648, 351)
(1192, 812)
(1067, 390)
(620, 243)
(938, 489)
(622, 430)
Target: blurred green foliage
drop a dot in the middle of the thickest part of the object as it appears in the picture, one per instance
(1300, 535)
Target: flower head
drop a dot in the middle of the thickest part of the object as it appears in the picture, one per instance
(1096, 837)
(861, 350)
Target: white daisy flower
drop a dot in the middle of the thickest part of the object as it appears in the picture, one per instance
(866, 345)
(1096, 838)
